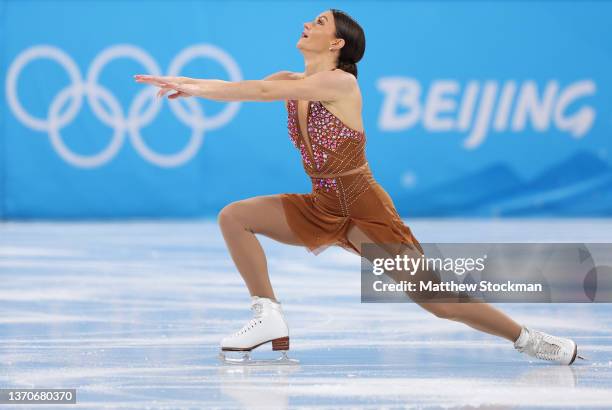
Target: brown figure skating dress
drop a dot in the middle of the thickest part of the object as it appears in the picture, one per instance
(344, 192)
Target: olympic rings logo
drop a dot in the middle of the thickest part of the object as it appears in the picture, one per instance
(193, 117)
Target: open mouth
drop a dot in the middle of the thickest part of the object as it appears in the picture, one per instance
(304, 35)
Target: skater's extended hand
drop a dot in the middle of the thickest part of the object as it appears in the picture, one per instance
(182, 85)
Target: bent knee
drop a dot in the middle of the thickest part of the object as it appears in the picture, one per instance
(230, 214)
(447, 311)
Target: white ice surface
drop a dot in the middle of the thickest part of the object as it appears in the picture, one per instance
(131, 314)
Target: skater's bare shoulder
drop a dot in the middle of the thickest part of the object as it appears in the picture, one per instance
(296, 76)
(284, 75)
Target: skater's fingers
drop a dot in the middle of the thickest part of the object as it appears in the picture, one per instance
(176, 95)
(163, 91)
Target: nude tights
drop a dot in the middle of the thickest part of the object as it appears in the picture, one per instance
(240, 222)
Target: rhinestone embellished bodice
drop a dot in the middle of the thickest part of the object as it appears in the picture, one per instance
(329, 146)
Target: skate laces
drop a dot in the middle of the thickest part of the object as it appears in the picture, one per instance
(542, 346)
(547, 349)
(257, 308)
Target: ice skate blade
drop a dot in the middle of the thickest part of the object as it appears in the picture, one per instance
(246, 360)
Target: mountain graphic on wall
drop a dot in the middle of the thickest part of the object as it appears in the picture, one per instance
(580, 185)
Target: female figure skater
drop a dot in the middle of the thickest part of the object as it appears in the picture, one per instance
(346, 207)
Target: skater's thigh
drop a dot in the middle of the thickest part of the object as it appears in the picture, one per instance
(263, 215)
(432, 302)
(358, 237)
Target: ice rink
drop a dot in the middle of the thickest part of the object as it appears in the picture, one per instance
(131, 315)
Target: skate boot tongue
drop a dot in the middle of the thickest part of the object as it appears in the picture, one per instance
(522, 340)
(261, 306)
(259, 299)
(257, 308)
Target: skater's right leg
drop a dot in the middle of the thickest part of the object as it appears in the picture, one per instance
(239, 222)
(478, 315)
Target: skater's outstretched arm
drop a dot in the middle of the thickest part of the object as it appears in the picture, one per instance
(280, 75)
(322, 86)
(284, 75)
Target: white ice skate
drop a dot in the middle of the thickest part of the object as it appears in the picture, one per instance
(547, 347)
(267, 325)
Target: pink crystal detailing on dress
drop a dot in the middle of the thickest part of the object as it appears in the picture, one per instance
(326, 133)
(294, 133)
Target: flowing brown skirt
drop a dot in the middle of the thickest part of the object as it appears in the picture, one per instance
(322, 219)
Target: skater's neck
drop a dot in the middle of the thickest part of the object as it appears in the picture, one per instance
(315, 63)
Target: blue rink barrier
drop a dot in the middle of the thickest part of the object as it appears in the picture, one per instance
(470, 108)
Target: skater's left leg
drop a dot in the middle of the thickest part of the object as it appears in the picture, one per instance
(479, 315)
(239, 222)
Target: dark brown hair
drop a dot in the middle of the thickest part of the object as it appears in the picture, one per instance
(354, 41)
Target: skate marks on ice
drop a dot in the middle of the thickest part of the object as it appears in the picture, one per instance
(132, 314)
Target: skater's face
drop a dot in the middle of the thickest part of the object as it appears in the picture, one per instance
(319, 34)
